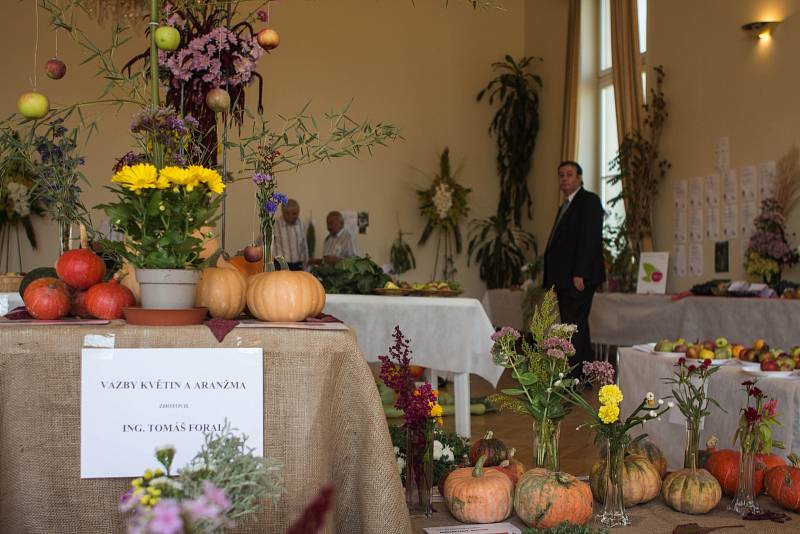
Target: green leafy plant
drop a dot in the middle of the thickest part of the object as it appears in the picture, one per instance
(566, 528)
(354, 275)
(500, 249)
(515, 126)
(444, 204)
(641, 170)
(400, 255)
(452, 450)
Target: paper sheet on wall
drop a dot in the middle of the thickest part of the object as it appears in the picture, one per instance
(712, 223)
(749, 211)
(351, 222)
(722, 153)
(696, 192)
(679, 225)
(680, 193)
(766, 179)
(696, 225)
(730, 188)
(712, 190)
(729, 221)
(696, 259)
(748, 183)
(679, 260)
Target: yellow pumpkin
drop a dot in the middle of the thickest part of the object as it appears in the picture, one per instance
(478, 495)
(222, 291)
(319, 294)
(282, 296)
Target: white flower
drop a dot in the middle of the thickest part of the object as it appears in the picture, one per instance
(650, 396)
(577, 381)
(671, 404)
(437, 449)
(557, 383)
(660, 402)
(401, 464)
(164, 482)
(397, 451)
(447, 454)
(652, 413)
(165, 448)
(443, 200)
(18, 195)
(549, 390)
(560, 375)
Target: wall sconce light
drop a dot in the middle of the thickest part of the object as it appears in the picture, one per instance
(760, 29)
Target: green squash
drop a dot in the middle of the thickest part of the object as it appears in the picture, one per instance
(35, 274)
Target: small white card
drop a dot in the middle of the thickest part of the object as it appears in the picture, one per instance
(652, 277)
(490, 528)
(134, 400)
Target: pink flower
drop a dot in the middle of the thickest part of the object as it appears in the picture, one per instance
(771, 407)
(262, 15)
(166, 518)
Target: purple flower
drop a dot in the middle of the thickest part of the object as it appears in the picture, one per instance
(564, 346)
(600, 372)
(127, 501)
(556, 353)
(166, 518)
(506, 330)
(260, 178)
(263, 16)
(280, 198)
(270, 207)
(215, 495)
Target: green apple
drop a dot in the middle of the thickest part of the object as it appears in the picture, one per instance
(785, 362)
(722, 353)
(33, 105)
(796, 352)
(167, 38)
(664, 345)
(721, 342)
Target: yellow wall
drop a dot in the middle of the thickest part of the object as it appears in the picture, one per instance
(722, 83)
(417, 67)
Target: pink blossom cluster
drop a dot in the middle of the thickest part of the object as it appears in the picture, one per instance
(177, 516)
(600, 372)
(769, 239)
(558, 347)
(217, 58)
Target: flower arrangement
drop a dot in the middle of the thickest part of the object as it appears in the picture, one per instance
(689, 392)
(421, 413)
(449, 451)
(444, 204)
(539, 369)
(225, 481)
(757, 419)
(162, 205)
(268, 199)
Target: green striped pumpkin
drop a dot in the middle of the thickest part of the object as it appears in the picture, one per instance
(691, 492)
(641, 482)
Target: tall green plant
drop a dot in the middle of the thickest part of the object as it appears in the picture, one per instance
(500, 249)
(515, 125)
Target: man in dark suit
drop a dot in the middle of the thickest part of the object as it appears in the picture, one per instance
(573, 259)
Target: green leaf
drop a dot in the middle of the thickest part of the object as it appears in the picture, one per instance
(513, 391)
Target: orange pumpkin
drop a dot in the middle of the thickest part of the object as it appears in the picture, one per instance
(691, 491)
(724, 465)
(543, 499)
(478, 495)
(282, 296)
(47, 298)
(641, 482)
(783, 484)
(222, 291)
(511, 467)
(247, 268)
(319, 294)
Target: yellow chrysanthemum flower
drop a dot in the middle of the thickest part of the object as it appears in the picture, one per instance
(174, 176)
(608, 413)
(202, 175)
(148, 474)
(610, 394)
(137, 177)
(436, 410)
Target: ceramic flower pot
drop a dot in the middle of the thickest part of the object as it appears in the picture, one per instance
(167, 289)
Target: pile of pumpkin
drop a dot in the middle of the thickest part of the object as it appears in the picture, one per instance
(498, 484)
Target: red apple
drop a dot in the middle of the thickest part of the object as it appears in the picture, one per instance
(218, 100)
(33, 105)
(167, 38)
(769, 365)
(693, 352)
(268, 39)
(656, 276)
(55, 69)
(709, 344)
(253, 253)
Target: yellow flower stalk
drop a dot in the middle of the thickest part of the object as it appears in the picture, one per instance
(608, 413)
(610, 394)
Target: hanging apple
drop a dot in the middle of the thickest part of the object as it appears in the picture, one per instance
(268, 39)
(253, 253)
(167, 38)
(55, 69)
(33, 105)
(218, 100)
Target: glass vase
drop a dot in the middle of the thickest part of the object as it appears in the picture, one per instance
(68, 236)
(266, 236)
(419, 470)
(545, 443)
(613, 513)
(690, 455)
(745, 500)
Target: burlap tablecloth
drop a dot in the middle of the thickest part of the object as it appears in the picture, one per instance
(322, 419)
(656, 517)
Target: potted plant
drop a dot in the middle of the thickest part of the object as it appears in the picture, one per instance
(500, 248)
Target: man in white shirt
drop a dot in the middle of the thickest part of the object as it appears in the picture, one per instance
(290, 236)
(339, 243)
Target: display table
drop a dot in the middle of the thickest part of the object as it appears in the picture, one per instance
(322, 419)
(640, 372)
(446, 334)
(625, 319)
(656, 517)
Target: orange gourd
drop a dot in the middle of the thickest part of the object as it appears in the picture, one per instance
(319, 294)
(282, 296)
(247, 268)
(691, 491)
(543, 499)
(641, 482)
(478, 495)
(783, 484)
(222, 291)
(724, 465)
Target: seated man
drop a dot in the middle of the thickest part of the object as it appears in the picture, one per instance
(339, 243)
(290, 236)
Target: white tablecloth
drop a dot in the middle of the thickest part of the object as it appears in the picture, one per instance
(640, 372)
(446, 334)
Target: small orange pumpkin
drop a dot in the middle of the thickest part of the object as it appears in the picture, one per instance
(511, 467)
(247, 268)
(783, 484)
(282, 296)
(543, 499)
(478, 495)
(222, 291)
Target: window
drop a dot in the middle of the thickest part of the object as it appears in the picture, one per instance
(607, 123)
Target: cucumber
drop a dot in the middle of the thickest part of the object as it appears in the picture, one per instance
(391, 411)
(477, 409)
(448, 409)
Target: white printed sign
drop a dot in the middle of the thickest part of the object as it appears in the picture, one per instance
(134, 400)
(652, 273)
